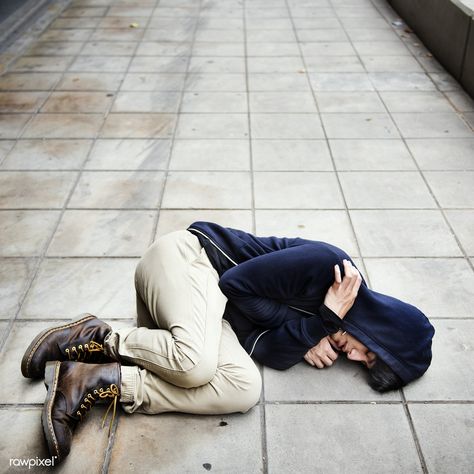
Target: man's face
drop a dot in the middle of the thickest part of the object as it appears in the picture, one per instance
(354, 349)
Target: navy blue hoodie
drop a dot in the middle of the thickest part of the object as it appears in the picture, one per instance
(275, 287)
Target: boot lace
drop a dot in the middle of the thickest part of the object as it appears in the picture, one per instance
(82, 352)
(111, 391)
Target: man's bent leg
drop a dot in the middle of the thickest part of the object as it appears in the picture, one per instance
(178, 286)
(235, 387)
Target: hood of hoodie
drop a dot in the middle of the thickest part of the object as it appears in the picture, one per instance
(399, 333)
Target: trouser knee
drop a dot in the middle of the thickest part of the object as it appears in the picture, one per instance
(251, 395)
(199, 374)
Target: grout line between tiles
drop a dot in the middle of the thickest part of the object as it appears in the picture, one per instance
(174, 135)
(340, 188)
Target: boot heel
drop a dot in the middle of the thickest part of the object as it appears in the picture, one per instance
(49, 372)
(51, 382)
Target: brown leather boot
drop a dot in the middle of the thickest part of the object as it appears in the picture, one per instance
(73, 388)
(82, 339)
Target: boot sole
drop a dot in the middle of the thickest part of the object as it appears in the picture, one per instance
(38, 340)
(51, 375)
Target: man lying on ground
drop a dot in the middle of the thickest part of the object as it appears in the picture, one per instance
(209, 299)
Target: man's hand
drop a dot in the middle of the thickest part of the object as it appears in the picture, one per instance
(322, 355)
(342, 294)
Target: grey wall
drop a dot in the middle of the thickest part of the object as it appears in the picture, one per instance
(448, 32)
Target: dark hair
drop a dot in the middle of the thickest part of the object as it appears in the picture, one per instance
(382, 378)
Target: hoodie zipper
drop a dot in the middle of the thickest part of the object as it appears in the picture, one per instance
(236, 264)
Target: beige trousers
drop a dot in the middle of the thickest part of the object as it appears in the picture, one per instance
(184, 357)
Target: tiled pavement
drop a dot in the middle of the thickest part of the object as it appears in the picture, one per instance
(317, 118)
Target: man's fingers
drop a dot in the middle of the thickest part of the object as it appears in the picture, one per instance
(355, 282)
(319, 364)
(332, 355)
(308, 359)
(337, 274)
(327, 361)
(347, 273)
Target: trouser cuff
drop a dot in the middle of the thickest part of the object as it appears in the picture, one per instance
(129, 384)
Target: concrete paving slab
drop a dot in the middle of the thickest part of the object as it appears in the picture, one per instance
(86, 233)
(166, 442)
(334, 48)
(207, 190)
(273, 49)
(463, 225)
(212, 126)
(119, 189)
(47, 154)
(172, 220)
(163, 48)
(278, 82)
(153, 82)
(304, 190)
(12, 124)
(28, 102)
(214, 102)
(108, 64)
(439, 125)
(356, 126)
(129, 154)
(393, 64)
(450, 376)
(288, 102)
(64, 126)
(98, 286)
(30, 189)
(349, 102)
(71, 102)
(416, 102)
(3, 328)
(441, 287)
(385, 190)
(343, 381)
(341, 82)
(371, 155)
(215, 82)
(322, 64)
(15, 275)
(36, 227)
(202, 48)
(443, 153)
(452, 188)
(379, 429)
(273, 155)
(328, 226)
(210, 154)
(137, 125)
(378, 241)
(379, 48)
(443, 449)
(17, 445)
(293, 126)
(142, 102)
(19, 389)
(325, 35)
(90, 81)
(42, 63)
(46, 48)
(5, 147)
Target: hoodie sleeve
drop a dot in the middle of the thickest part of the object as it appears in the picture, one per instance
(258, 286)
(285, 346)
